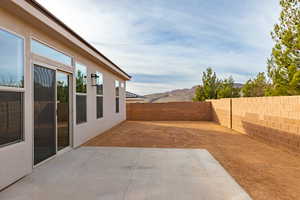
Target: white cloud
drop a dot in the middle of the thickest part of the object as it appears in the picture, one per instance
(139, 36)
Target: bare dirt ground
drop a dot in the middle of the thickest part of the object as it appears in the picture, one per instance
(265, 172)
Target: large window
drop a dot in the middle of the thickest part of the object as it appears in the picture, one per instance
(81, 90)
(12, 79)
(99, 95)
(117, 88)
(46, 51)
(11, 60)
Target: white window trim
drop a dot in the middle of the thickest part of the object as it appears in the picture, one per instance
(81, 94)
(11, 89)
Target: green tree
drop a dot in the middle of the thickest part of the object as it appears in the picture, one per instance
(227, 89)
(199, 94)
(80, 82)
(210, 84)
(256, 87)
(284, 64)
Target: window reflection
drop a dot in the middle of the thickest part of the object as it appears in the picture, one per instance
(117, 86)
(81, 74)
(99, 83)
(44, 50)
(63, 135)
(11, 60)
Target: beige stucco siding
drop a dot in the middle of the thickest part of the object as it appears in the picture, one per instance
(17, 160)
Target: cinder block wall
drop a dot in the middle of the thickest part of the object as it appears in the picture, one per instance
(173, 111)
(272, 119)
(221, 112)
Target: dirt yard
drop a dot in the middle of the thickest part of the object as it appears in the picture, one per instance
(264, 171)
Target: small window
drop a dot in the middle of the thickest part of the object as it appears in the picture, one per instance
(81, 115)
(46, 51)
(11, 60)
(81, 75)
(11, 115)
(117, 86)
(117, 90)
(99, 95)
(81, 90)
(99, 83)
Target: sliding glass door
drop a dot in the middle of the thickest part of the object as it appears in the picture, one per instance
(44, 113)
(51, 112)
(63, 114)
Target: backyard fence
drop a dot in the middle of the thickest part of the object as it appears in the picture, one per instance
(272, 119)
(173, 111)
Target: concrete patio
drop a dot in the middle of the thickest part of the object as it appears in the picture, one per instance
(116, 173)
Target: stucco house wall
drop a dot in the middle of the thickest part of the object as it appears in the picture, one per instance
(16, 17)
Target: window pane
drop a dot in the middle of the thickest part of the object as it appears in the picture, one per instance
(99, 83)
(117, 105)
(99, 107)
(122, 85)
(80, 109)
(11, 60)
(46, 51)
(11, 115)
(81, 75)
(44, 113)
(117, 85)
(63, 111)
(100, 89)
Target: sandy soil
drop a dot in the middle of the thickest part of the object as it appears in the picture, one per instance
(264, 171)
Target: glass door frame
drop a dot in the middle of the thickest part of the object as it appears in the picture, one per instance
(71, 96)
(70, 81)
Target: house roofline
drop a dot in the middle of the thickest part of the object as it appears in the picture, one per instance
(47, 13)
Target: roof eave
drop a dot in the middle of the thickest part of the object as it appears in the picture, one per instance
(48, 14)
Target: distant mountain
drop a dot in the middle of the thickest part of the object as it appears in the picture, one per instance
(238, 85)
(176, 95)
(133, 95)
(172, 96)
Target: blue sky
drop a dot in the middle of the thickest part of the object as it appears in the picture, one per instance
(167, 44)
